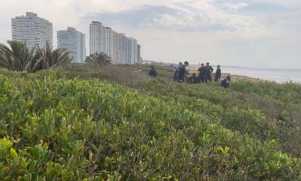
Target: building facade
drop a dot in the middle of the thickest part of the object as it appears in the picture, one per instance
(122, 49)
(33, 31)
(140, 61)
(74, 41)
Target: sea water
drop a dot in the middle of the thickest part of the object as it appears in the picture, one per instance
(277, 75)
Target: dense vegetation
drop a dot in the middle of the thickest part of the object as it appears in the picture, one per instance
(17, 57)
(99, 59)
(56, 127)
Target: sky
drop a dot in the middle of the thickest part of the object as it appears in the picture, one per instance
(249, 33)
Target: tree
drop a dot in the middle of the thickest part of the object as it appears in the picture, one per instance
(48, 58)
(99, 59)
(17, 57)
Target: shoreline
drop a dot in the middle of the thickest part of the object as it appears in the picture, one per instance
(237, 77)
(256, 75)
(280, 76)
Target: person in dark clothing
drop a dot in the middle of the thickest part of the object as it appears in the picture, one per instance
(218, 73)
(209, 71)
(193, 79)
(202, 73)
(226, 82)
(206, 73)
(183, 71)
(177, 72)
(186, 63)
(176, 75)
(153, 72)
(186, 71)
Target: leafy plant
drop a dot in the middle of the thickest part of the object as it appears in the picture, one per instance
(99, 59)
(47, 58)
(17, 57)
(56, 128)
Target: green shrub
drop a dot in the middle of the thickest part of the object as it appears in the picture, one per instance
(68, 129)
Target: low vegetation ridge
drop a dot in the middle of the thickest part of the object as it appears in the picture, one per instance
(78, 125)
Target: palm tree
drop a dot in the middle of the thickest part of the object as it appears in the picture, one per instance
(16, 56)
(99, 59)
(48, 58)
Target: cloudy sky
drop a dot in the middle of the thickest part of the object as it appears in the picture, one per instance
(253, 33)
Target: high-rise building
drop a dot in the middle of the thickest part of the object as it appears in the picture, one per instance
(140, 61)
(96, 37)
(115, 56)
(74, 41)
(122, 49)
(133, 51)
(109, 42)
(101, 39)
(32, 30)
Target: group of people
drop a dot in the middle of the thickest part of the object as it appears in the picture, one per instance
(206, 72)
(181, 72)
(204, 75)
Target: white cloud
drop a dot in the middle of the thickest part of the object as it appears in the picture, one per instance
(190, 32)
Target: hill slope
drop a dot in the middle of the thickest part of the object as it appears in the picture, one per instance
(54, 127)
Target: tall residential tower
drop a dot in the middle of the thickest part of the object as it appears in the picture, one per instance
(32, 30)
(74, 42)
(122, 49)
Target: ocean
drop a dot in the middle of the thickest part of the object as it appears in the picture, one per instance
(277, 75)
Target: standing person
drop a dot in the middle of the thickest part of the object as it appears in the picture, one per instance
(218, 73)
(177, 72)
(186, 69)
(153, 72)
(202, 73)
(175, 76)
(209, 71)
(183, 71)
(226, 82)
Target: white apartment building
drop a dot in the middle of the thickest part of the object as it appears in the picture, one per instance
(115, 56)
(108, 43)
(32, 30)
(140, 61)
(122, 49)
(133, 51)
(98, 38)
(74, 41)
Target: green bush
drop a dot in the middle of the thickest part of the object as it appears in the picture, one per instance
(245, 107)
(69, 129)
